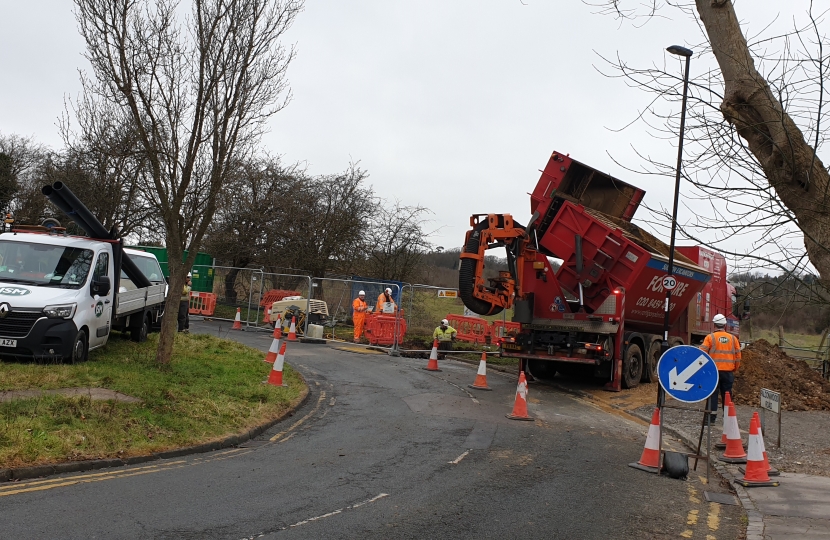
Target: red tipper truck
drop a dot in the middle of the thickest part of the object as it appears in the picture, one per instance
(603, 308)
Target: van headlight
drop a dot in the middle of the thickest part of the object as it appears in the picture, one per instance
(63, 311)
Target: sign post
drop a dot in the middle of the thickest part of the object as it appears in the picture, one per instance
(771, 401)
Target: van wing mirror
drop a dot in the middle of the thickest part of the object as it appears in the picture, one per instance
(101, 286)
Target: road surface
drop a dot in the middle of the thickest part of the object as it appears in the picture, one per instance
(384, 449)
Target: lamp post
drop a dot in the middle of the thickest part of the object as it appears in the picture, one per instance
(687, 53)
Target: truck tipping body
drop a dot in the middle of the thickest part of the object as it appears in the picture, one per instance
(604, 305)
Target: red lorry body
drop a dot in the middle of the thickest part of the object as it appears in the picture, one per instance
(604, 305)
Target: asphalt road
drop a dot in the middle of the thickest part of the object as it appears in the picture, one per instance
(385, 449)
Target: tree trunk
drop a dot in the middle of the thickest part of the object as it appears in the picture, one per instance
(791, 167)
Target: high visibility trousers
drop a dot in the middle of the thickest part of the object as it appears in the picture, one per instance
(359, 319)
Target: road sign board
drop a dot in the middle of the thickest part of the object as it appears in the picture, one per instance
(687, 374)
(447, 293)
(770, 400)
(669, 283)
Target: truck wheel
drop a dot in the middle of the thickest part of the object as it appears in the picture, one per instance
(541, 369)
(80, 348)
(650, 369)
(632, 366)
(139, 333)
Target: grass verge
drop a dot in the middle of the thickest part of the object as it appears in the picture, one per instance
(212, 389)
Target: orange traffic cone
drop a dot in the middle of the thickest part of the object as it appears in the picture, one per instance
(267, 318)
(278, 327)
(432, 365)
(771, 471)
(275, 378)
(756, 469)
(650, 460)
(292, 332)
(273, 351)
(237, 321)
(520, 404)
(481, 377)
(734, 447)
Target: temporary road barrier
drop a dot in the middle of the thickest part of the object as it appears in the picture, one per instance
(381, 328)
(472, 329)
(202, 303)
(275, 295)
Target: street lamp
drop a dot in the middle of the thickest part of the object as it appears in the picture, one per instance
(679, 51)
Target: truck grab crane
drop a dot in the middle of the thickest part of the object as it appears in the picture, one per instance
(603, 308)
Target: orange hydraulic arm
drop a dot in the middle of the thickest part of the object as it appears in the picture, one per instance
(495, 230)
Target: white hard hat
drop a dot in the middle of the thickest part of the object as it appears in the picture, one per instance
(445, 322)
(388, 290)
(719, 320)
(361, 293)
(188, 274)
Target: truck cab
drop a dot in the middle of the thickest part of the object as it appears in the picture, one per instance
(59, 296)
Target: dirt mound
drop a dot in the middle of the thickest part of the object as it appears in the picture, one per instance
(763, 365)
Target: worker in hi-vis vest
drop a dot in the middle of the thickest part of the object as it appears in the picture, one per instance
(386, 298)
(445, 334)
(359, 307)
(184, 306)
(725, 350)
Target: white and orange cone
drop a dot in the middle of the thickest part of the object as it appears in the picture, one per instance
(734, 446)
(727, 401)
(756, 469)
(273, 351)
(481, 377)
(292, 332)
(278, 327)
(275, 377)
(267, 318)
(520, 404)
(237, 321)
(650, 460)
(772, 471)
(432, 365)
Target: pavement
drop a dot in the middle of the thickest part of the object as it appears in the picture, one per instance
(384, 449)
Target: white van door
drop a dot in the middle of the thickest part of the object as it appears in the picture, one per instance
(99, 326)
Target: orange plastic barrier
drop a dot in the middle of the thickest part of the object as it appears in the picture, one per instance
(202, 303)
(275, 295)
(470, 329)
(502, 328)
(379, 329)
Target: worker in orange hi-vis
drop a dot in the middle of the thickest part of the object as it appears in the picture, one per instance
(384, 300)
(725, 350)
(359, 316)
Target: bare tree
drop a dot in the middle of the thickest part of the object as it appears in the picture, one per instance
(198, 93)
(24, 160)
(397, 241)
(748, 156)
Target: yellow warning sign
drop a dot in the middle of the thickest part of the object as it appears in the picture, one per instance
(447, 293)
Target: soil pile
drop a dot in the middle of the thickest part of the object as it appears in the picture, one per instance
(763, 365)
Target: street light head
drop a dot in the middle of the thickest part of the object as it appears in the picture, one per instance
(679, 51)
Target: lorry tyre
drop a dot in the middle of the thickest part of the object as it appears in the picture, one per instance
(542, 369)
(139, 333)
(80, 348)
(650, 368)
(632, 366)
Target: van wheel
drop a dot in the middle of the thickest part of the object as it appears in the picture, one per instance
(632, 366)
(80, 348)
(139, 333)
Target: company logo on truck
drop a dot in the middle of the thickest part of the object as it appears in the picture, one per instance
(14, 291)
(99, 309)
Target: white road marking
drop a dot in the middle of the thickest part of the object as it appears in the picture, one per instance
(323, 516)
(457, 460)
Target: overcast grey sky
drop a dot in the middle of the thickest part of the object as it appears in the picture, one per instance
(452, 104)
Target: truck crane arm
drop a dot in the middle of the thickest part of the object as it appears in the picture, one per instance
(495, 230)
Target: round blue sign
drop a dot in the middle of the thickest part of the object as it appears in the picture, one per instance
(687, 374)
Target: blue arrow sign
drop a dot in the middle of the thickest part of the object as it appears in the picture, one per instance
(687, 374)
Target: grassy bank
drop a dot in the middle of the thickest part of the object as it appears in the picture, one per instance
(212, 389)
